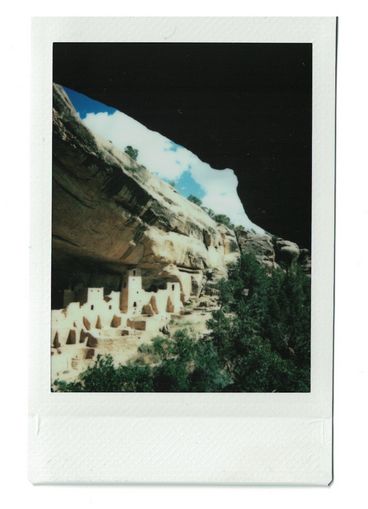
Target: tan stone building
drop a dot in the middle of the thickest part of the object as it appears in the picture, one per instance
(81, 328)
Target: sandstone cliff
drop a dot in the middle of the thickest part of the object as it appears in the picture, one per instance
(110, 213)
(272, 251)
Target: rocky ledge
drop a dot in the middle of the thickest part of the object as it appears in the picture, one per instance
(272, 251)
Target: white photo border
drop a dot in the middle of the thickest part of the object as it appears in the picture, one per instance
(242, 438)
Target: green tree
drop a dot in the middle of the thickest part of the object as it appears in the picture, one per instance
(132, 152)
(104, 376)
(179, 364)
(187, 365)
(195, 200)
(223, 219)
(262, 331)
(209, 211)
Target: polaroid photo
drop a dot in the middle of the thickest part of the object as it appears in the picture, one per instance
(182, 250)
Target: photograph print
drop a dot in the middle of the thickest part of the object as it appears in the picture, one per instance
(181, 217)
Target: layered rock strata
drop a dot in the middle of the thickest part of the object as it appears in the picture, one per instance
(111, 214)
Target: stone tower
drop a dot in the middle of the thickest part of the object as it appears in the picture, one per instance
(131, 297)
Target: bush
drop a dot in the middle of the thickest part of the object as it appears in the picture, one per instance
(239, 229)
(210, 212)
(132, 152)
(183, 364)
(262, 331)
(103, 376)
(223, 219)
(194, 199)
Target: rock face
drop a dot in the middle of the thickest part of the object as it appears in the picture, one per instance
(110, 214)
(261, 246)
(286, 251)
(273, 252)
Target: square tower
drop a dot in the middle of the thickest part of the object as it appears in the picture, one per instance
(132, 294)
(173, 289)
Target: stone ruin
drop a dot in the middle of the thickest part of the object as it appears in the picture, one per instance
(102, 321)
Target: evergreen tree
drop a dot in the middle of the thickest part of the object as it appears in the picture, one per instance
(132, 152)
(262, 331)
(194, 199)
(223, 219)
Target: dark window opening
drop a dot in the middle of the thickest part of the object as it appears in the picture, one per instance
(173, 287)
(134, 304)
(92, 306)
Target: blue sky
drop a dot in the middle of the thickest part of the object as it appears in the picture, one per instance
(84, 104)
(186, 185)
(164, 158)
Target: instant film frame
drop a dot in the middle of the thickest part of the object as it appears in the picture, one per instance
(233, 438)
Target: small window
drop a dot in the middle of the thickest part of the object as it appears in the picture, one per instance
(173, 287)
(110, 306)
(134, 304)
(92, 306)
(133, 272)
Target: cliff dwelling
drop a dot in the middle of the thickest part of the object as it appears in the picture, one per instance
(102, 323)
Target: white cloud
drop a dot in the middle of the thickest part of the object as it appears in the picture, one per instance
(153, 148)
(157, 154)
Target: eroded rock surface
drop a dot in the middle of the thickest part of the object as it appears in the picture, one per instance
(259, 245)
(286, 251)
(110, 213)
(271, 251)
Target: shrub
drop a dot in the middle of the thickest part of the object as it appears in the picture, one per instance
(103, 376)
(210, 212)
(195, 200)
(183, 365)
(223, 219)
(262, 331)
(132, 152)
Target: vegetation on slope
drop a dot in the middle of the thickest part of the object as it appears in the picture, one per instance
(259, 342)
(219, 218)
